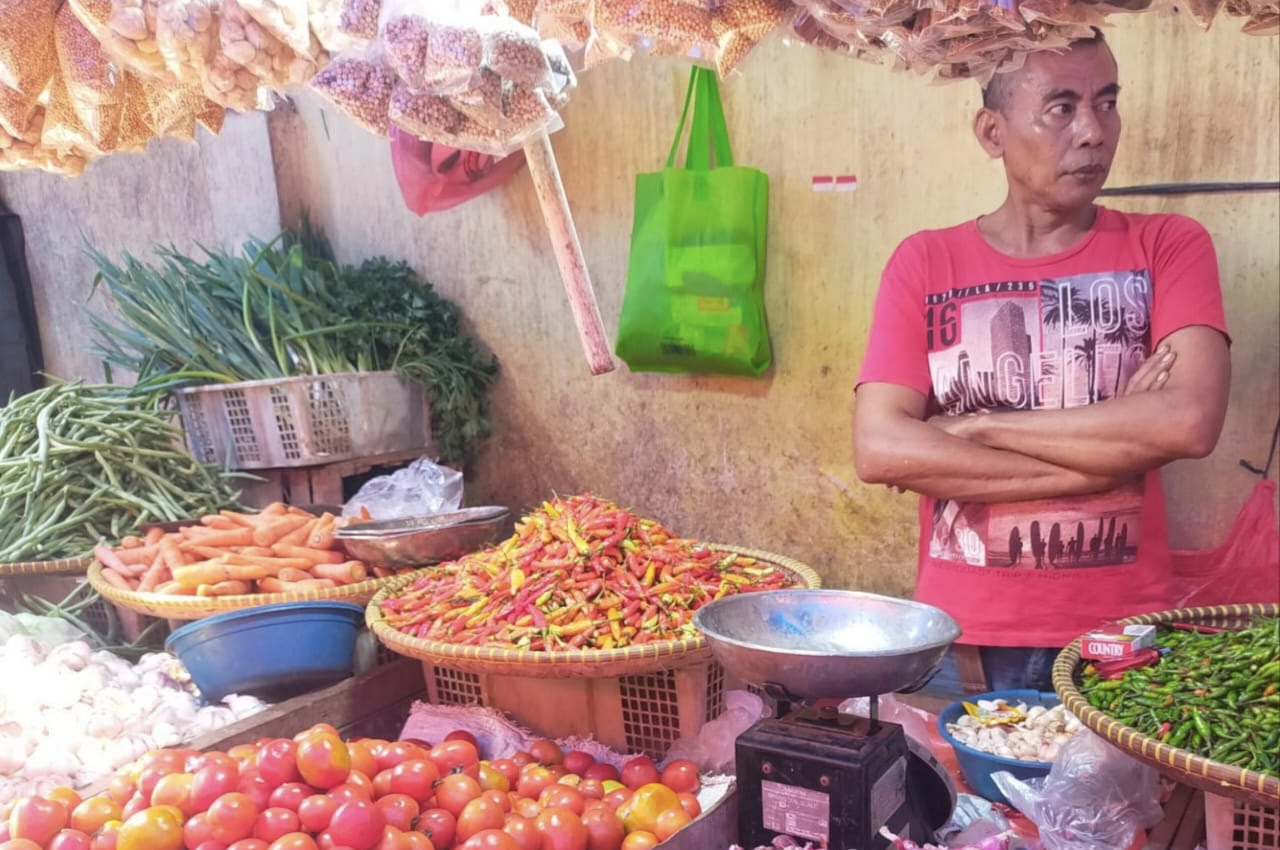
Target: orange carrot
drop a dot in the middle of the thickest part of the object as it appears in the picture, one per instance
(212, 572)
(293, 574)
(271, 565)
(239, 519)
(224, 588)
(115, 578)
(274, 509)
(298, 537)
(270, 531)
(217, 521)
(139, 557)
(275, 585)
(153, 536)
(318, 556)
(155, 575)
(172, 588)
(296, 511)
(322, 536)
(347, 572)
(213, 537)
(171, 554)
(364, 514)
(131, 541)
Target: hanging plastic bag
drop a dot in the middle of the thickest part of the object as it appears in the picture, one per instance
(434, 177)
(1094, 798)
(694, 300)
(1245, 568)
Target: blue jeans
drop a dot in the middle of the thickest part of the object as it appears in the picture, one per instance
(1006, 668)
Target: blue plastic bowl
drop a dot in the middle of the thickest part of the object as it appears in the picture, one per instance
(270, 651)
(978, 766)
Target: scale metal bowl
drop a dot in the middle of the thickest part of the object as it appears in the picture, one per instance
(418, 541)
(817, 644)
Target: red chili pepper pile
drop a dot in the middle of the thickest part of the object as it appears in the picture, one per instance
(579, 573)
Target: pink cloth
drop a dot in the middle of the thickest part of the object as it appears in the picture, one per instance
(975, 329)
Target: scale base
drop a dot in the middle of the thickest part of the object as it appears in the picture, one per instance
(830, 779)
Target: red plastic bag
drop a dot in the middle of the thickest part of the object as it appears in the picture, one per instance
(1245, 568)
(435, 177)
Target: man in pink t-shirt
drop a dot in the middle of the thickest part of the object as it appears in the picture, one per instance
(1028, 373)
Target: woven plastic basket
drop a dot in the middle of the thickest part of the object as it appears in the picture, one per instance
(1179, 764)
(45, 568)
(304, 421)
(194, 607)
(643, 658)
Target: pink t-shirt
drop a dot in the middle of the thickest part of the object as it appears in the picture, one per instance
(972, 328)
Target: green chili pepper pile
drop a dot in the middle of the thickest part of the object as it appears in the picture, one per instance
(1217, 695)
(80, 465)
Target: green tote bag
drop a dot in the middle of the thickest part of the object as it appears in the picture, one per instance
(695, 280)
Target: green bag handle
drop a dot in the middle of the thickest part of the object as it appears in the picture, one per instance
(709, 131)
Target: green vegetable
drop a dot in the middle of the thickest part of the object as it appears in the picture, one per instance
(1220, 692)
(285, 308)
(82, 465)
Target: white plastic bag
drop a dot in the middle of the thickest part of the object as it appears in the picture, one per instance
(1094, 798)
(423, 488)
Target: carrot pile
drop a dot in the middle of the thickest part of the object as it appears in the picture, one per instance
(281, 549)
(579, 573)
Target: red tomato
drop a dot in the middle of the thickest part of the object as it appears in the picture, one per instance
(561, 830)
(604, 829)
(616, 798)
(576, 761)
(120, 789)
(546, 751)
(105, 838)
(20, 844)
(689, 802)
(602, 771)
(400, 810)
(440, 825)
(36, 818)
(490, 839)
(416, 777)
(681, 776)
(290, 795)
(591, 789)
(477, 816)
(640, 771)
(323, 760)
(197, 831)
(533, 779)
(358, 780)
(455, 791)
(157, 828)
(418, 841)
(640, 840)
(463, 735)
(232, 817)
(212, 781)
(210, 845)
(274, 823)
(399, 751)
(315, 812)
(175, 790)
(294, 841)
(347, 791)
(249, 844)
(670, 822)
(525, 832)
(65, 795)
(92, 813)
(490, 777)
(509, 769)
(278, 762)
(256, 788)
(318, 728)
(70, 839)
(500, 799)
(358, 823)
(362, 757)
(455, 757)
(202, 760)
(137, 803)
(245, 755)
(521, 758)
(557, 796)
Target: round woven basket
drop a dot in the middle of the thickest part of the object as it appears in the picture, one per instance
(600, 663)
(1178, 764)
(171, 607)
(45, 568)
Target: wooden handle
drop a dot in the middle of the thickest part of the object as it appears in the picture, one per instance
(564, 240)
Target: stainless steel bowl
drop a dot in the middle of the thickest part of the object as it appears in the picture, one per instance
(420, 541)
(815, 644)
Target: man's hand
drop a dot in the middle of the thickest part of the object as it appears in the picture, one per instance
(1154, 371)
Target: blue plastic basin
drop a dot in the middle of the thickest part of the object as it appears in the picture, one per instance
(978, 766)
(270, 651)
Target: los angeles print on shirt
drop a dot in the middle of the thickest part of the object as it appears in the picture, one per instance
(1039, 345)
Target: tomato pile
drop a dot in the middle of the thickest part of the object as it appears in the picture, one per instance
(319, 792)
(579, 573)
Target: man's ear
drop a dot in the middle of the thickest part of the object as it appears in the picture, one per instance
(988, 127)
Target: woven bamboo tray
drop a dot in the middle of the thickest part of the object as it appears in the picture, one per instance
(45, 568)
(1181, 765)
(600, 663)
(171, 607)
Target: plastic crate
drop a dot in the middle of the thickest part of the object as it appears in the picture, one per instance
(644, 713)
(1231, 824)
(304, 421)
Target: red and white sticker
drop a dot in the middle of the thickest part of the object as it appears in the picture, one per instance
(835, 183)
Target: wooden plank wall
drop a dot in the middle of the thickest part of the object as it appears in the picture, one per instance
(765, 463)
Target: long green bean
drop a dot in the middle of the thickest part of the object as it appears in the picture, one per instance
(1216, 694)
(82, 465)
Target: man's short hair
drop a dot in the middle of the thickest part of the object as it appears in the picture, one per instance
(995, 94)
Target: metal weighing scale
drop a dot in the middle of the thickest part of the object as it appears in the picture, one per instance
(812, 774)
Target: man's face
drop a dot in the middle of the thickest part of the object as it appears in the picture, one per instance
(1058, 128)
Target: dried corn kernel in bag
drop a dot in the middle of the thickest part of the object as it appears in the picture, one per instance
(62, 130)
(135, 130)
(361, 87)
(17, 111)
(522, 10)
(344, 25)
(27, 57)
(660, 27)
(187, 36)
(739, 26)
(515, 52)
(434, 49)
(424, 115)
(93, 82)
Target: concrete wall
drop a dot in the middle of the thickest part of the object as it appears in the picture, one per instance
(765, 463)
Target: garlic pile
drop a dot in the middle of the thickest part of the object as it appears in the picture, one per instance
(71, 716)
(1036, 737)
